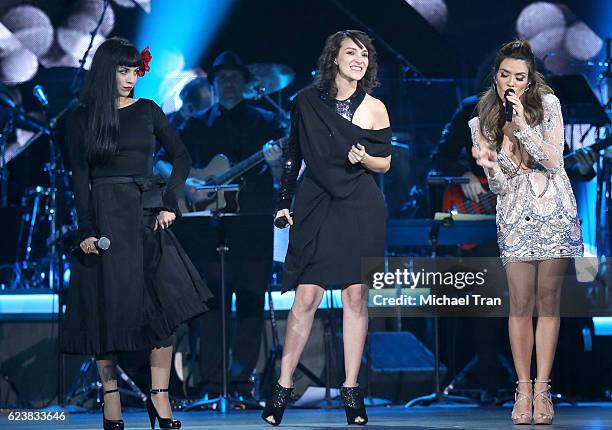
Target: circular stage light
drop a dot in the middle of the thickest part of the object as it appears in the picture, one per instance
(75, 43)
(92, 10)
(8, 42)
(547, 41)
(87, 23)
(434, 11)
(172, 85)
(538, 17)
(143, 4)
(31, 26)
(57, 57)
(581, 42)
(125, 3)
(18, 67)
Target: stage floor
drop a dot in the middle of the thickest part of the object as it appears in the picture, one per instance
(589, 416)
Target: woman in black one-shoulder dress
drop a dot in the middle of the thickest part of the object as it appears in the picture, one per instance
(133, 295)
(343, 136)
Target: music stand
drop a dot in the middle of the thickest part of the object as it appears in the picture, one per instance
(224, 400)
(447, 181)
(433, 233)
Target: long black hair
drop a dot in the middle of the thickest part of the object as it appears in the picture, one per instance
(327, 70)
(99, 97)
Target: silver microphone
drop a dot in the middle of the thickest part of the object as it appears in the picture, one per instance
(103, 243)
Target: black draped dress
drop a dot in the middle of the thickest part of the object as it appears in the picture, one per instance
(339, 211)
(132, 296)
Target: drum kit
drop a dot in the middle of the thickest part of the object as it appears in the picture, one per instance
(47, 213)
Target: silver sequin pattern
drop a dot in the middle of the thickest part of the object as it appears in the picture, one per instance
(537, 217)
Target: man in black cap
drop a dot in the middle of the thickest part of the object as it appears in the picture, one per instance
(236, 128)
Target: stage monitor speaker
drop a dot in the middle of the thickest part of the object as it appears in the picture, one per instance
(402, 352)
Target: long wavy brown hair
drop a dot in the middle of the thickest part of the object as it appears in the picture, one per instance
(325, 78)
(490, 106)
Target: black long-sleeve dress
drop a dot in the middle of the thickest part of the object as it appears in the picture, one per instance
(132, 296)
(339, 211)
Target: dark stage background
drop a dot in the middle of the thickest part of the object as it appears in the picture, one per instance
(421, 94)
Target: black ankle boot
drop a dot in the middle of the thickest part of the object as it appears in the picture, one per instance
(164, 423)
(353, 405)
(111, 424)
(276, 404)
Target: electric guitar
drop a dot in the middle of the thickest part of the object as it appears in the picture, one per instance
(453, 199)
(219, 171)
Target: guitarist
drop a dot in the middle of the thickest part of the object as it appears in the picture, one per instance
(236, 128)
(451, 157)
(452, 154)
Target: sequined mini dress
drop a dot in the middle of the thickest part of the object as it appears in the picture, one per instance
(537, 216)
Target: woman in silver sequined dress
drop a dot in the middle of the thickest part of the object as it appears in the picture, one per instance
(537, 224)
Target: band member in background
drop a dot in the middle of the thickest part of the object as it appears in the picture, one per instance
(452, 154)
(538, 227)
(452, 157)
(196, 97)
(343, 135)
(133, 295)
(236, 128)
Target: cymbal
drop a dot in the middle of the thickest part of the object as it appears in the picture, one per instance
(268, 78)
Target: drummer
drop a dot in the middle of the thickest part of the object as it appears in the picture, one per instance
(238, 129)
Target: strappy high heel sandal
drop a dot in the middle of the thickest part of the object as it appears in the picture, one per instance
(276, 404)
(522, 398)
(111, 424)
(164, 423)
(353, 405)
(543, 412)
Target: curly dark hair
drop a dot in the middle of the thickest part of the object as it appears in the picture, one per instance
(327, 69)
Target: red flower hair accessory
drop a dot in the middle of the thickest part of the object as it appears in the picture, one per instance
(146, 58)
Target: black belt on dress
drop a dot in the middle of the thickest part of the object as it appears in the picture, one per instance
(151, 187)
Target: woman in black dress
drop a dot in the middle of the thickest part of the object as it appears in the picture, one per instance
(343, 135)
(133, 295)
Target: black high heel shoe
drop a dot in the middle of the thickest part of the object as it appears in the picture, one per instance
(111, 424)
(353, 405)
(276, 404)
(164, 423)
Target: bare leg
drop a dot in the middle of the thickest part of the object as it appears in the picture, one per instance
(521, 283)
(161, 360)
(550, 279)
(354, 329)
(299, 323)
(107, 368)
(307, 300)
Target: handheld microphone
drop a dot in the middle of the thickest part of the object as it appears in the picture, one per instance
(102, 244)
(41, 96)
(282, 221)
(509, 106)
